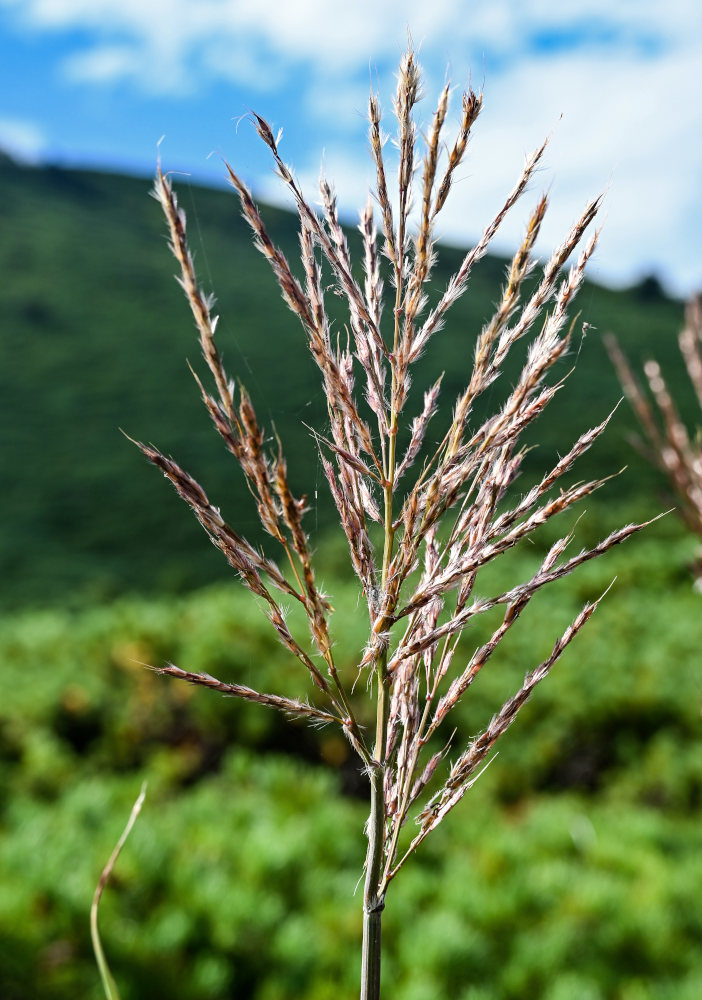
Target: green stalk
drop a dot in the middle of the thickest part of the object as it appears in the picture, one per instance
(374, 893)
(373, 904)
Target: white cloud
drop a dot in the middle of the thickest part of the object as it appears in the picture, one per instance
(624, 75)
(23, 140)
(628, 126)
(340, 38)
(102, 64)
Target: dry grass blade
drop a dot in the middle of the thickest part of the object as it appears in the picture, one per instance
(108, 983)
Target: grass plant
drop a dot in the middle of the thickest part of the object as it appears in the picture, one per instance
(666, 442)
(424, 510)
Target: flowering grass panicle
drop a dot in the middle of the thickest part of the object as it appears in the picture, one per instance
(421, 516)
(666, 442)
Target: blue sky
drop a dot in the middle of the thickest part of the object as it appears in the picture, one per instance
(619, 84)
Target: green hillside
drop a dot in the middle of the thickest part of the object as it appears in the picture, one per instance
(95, 337)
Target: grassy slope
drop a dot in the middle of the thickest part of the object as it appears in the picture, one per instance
(95, 337)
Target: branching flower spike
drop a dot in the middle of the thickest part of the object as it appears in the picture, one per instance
(666, 442)
(421, 518)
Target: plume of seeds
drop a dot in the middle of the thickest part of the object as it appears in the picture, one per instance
(417, 548)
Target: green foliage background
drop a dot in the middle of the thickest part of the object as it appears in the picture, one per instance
(571, 870)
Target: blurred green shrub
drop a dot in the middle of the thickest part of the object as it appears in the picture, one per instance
(572, 870)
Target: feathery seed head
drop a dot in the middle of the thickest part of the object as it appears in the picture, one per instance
(421, 517)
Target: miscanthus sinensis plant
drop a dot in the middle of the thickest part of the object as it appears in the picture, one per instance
(666, 442)
(421, 519)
